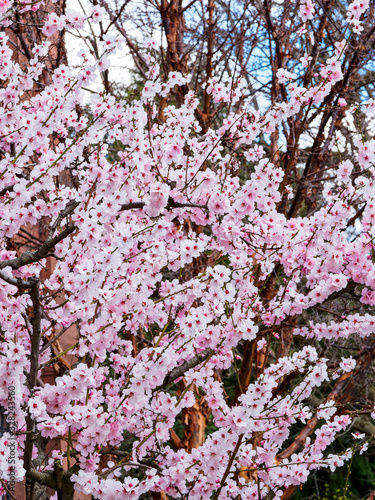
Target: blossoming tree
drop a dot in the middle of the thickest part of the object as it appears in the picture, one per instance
(182, 254)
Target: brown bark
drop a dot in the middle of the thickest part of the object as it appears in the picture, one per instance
(195, 420)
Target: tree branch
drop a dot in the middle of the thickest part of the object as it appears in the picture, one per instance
(33, 376)
(69, 209)
(187, 365)
(56, 337)
(14, 281)
(44, 478)
(42, 252)
(171, 204)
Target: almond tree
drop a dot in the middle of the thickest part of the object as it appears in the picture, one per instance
(187, 246)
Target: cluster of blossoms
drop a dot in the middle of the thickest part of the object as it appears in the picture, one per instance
(355, 11)
(226, 91)
(119, 235)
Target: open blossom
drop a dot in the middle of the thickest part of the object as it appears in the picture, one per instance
(37, 408)
(54, 23)
(358, 435)
(5, 5)
(370, 106)
(76, 19)
(347, 364)
(344, 170)
(306, 10)
(261, 344)
(151, 89)
(97, 13)
(305, 60)
(284, 76)
(151, 43)
(368, 296)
